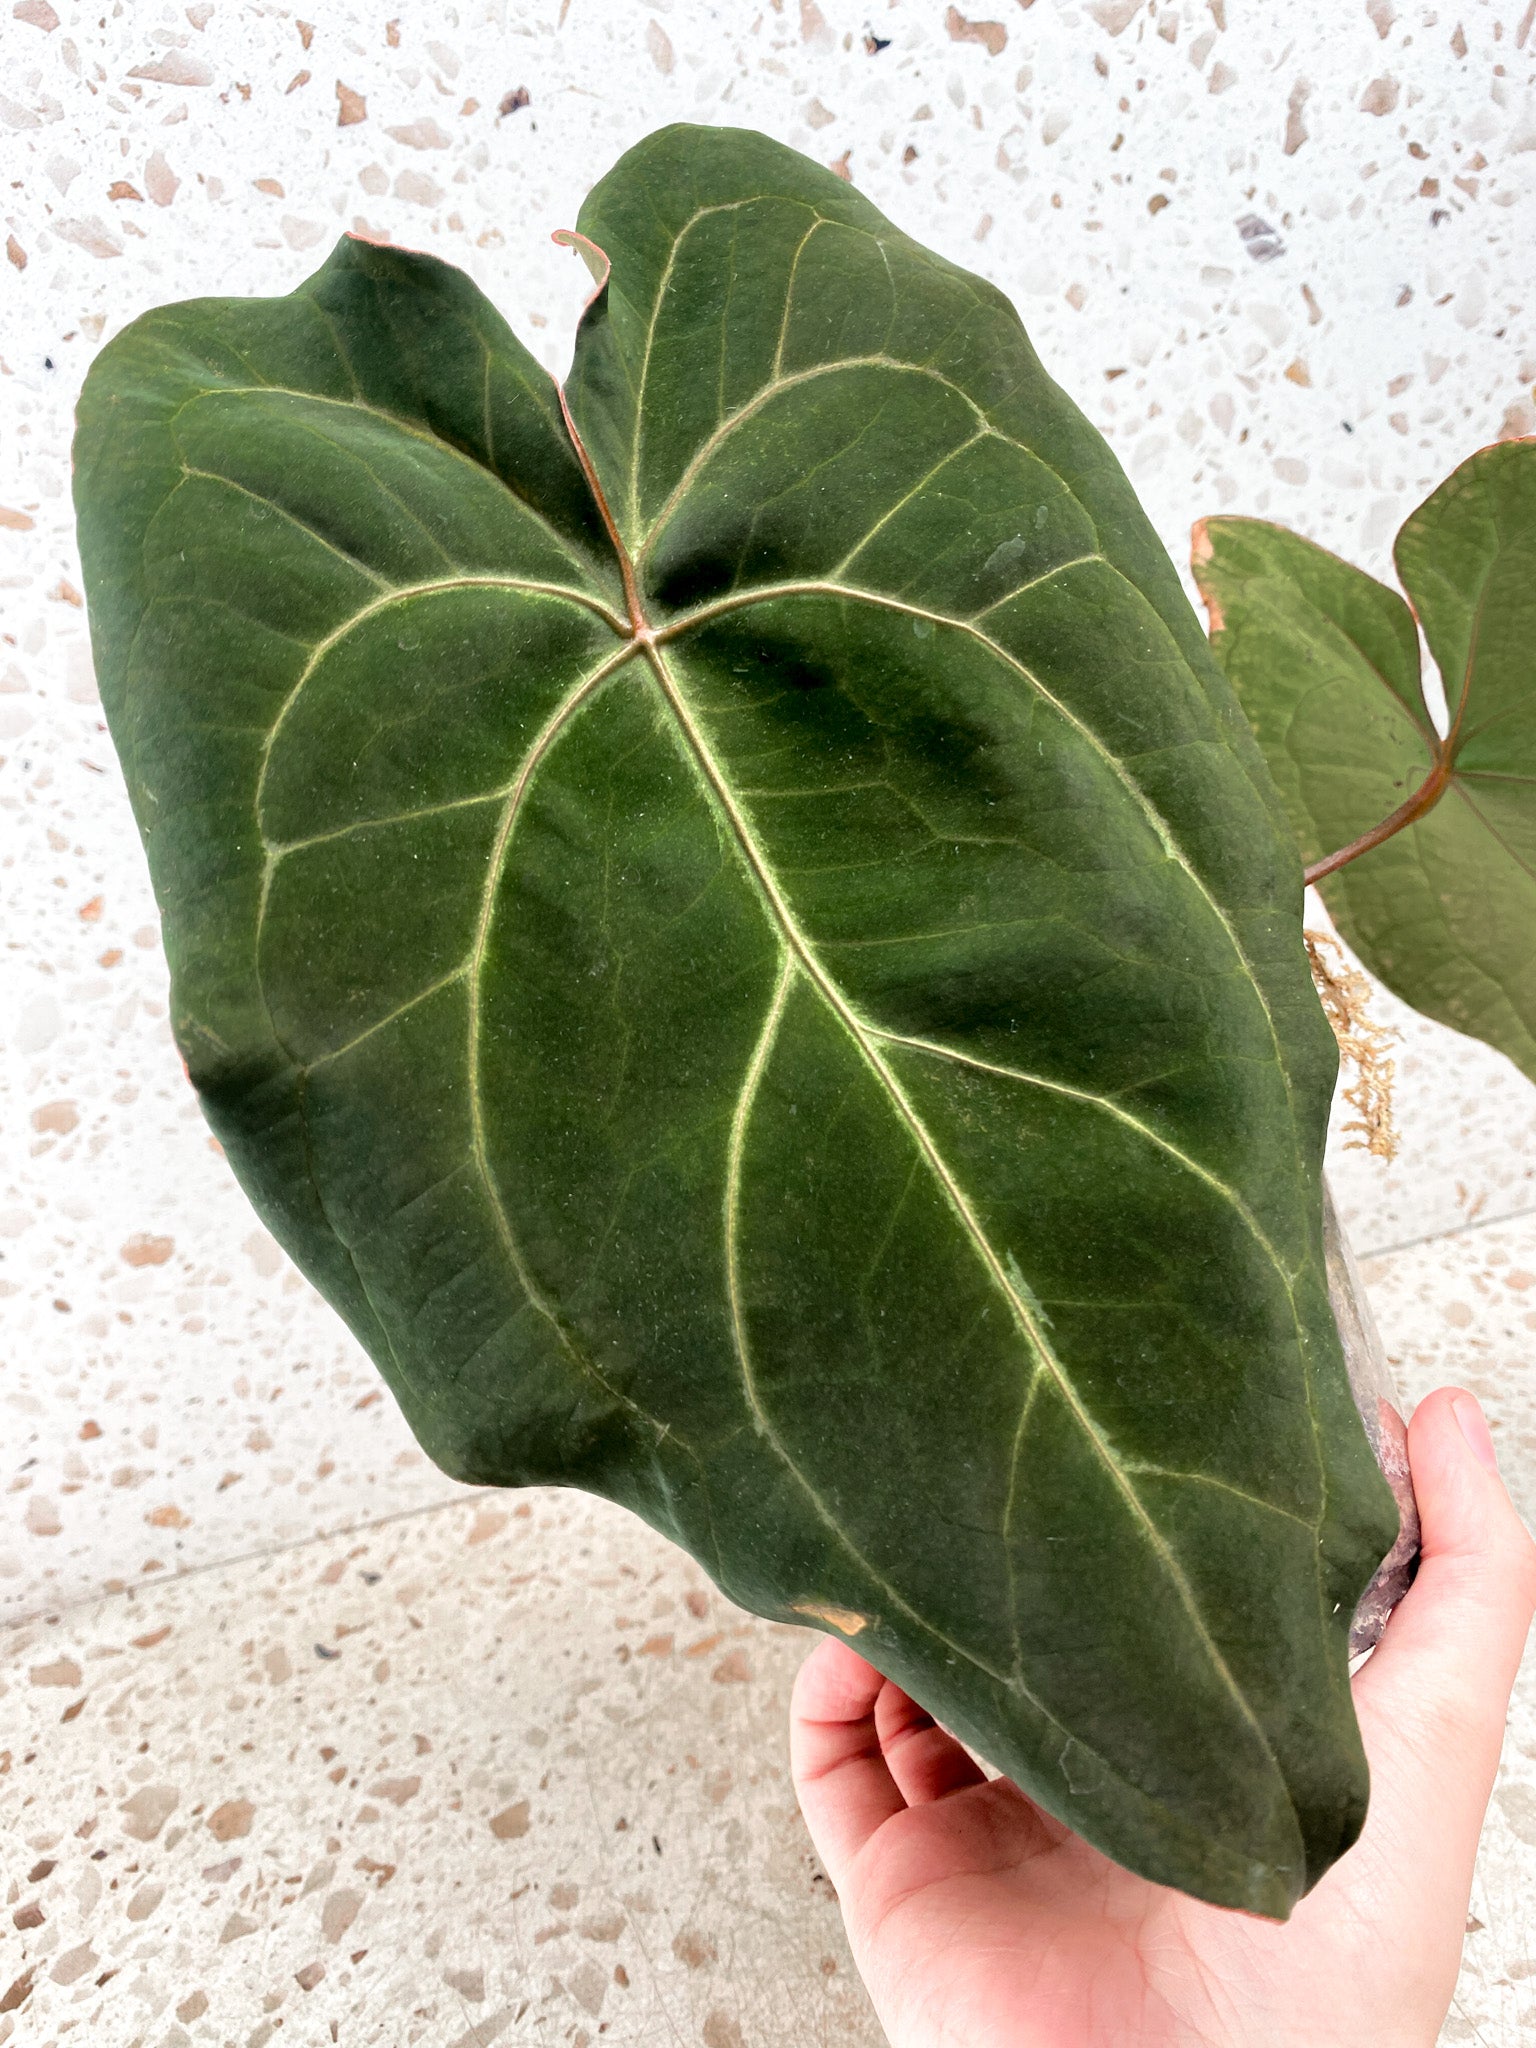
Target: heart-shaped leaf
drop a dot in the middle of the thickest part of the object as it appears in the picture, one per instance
(1326, 662)
(770, 987)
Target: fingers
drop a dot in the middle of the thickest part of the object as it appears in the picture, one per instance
(844, 1784)
(1433, 1698)
(925, 1761)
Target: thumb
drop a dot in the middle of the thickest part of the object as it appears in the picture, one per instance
(1432, 1698)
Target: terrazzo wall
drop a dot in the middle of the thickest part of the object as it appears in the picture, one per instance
(1281, 254)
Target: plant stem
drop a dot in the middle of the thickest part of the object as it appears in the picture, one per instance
(1424, 798)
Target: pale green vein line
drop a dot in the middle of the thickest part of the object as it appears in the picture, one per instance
(821, 587)
(1109, 1107)
(281, 848)
(342, 554)
(818, 221)
(760, 398)
(787, 382)
(1492, 830)
(401, 594)
(650, 338)
(1224, 1486)
(485, 410)
(327, 321)
(903, 501)
(1057, 569)
(762, 1422)
(383, 1023)
(401, 426)
(1015, 1461)
(1026, 1318)
(474, 966)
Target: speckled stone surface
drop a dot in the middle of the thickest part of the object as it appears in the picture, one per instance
(1281, 256)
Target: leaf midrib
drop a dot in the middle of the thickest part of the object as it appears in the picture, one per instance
(1023, 1315)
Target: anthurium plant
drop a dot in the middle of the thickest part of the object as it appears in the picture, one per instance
(1419, 832)
(728, 918)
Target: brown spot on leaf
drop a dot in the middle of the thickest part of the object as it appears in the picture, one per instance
(842, 1618)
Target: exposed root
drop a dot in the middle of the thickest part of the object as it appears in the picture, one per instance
(1345, 995)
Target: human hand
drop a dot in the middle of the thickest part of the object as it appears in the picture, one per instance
(977, 1921)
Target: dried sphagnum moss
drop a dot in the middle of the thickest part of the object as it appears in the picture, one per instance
(1345, 995)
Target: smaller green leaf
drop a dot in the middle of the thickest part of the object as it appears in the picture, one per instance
(1325, 661)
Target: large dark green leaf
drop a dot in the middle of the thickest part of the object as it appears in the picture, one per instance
(828, 1062)
(1326, 662)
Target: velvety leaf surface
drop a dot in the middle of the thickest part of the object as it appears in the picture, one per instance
(816, 1047)
(1326, 663)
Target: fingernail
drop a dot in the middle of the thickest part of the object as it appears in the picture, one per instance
(1474, 1428)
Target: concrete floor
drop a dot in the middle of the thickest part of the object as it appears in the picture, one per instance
(298, 1740)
